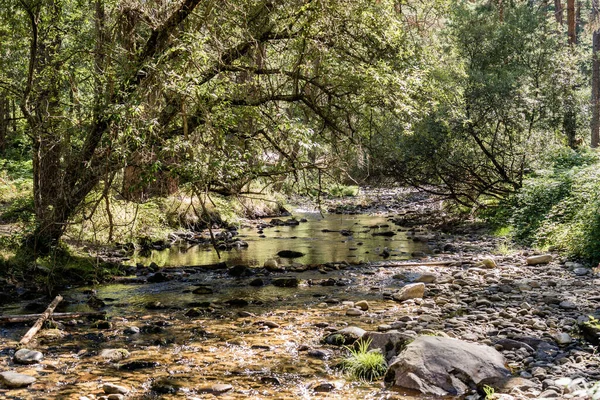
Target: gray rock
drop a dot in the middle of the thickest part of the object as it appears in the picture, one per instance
(26, 356)
(535, 260)
(562, 338)
(443, 366)
(354, 312)
(346, 336)
(114, 354)
(389, 343)
(426, 278)
(323, 387)
(110, 388)
(581, 271)
(411, 291)
(16, 380)
(568, 305)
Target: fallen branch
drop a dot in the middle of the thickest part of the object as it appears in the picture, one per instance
(56, 316)
(36, 327)
(420, 264)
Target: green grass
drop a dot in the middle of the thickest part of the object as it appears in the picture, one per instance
(364, 364)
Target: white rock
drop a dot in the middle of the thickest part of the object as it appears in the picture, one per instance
(543, 259)
(411, 291)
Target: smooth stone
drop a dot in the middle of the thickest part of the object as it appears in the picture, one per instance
(346, 336)
(562, 338)
(114, 354)
(26, 356)
(354, 312)
(362, 305)
(323, 387)
(410, 291)
(16, 380)
(581, 271)
(426, 278)
(535, 260)
(110, 388)
(488, 263)
(568, 305)
(216, 388)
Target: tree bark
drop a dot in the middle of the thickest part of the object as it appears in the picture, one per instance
(558, 11)
(571, 27)
(595, 140)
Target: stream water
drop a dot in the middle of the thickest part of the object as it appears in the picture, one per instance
(259, 340)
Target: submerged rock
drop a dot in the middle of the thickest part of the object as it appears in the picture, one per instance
(110, 388)
(442, 366)
(139, 364)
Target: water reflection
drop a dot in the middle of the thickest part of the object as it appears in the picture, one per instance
(319, 239)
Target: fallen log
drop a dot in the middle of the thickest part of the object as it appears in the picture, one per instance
(38, 324)
(55, 316)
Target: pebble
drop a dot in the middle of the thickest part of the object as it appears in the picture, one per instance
(362, 305)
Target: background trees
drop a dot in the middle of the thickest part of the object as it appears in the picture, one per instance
(461, 99)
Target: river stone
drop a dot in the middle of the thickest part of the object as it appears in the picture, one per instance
(442, 366)
(410, 291)
(581, 271)
(426, 278)
(535, 260)
(16, 380)
(488, 263)
(110, 388)
(287, 281)
(345, 336)
(26, 356)
(507, 384)
(114, 354)
(354, 312)
(362, 305)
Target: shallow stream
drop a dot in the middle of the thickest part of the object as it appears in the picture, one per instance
(264, 341)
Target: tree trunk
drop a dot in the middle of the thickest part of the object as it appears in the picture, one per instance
(558, 11)
(595, 141)
(571, 22)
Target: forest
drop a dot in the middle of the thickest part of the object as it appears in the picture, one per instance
(159, 139)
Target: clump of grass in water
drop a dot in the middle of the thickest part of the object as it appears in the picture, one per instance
(363, 364)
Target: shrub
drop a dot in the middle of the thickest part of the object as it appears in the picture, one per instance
(560, 207)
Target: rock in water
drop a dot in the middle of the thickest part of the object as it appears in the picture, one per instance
(16, 380)
(444, 367)
(25, 356)
(535, 260)
(411, 291)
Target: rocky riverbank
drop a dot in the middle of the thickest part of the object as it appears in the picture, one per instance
(261, 332)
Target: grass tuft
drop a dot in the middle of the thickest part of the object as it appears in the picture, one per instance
(364, 364)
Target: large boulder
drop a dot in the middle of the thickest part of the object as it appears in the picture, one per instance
(444, 367)
(390, 343)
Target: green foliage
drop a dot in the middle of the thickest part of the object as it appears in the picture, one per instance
(489, 392)
(560, 207)
(495, 104)
(339, 190)
(364, 364)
